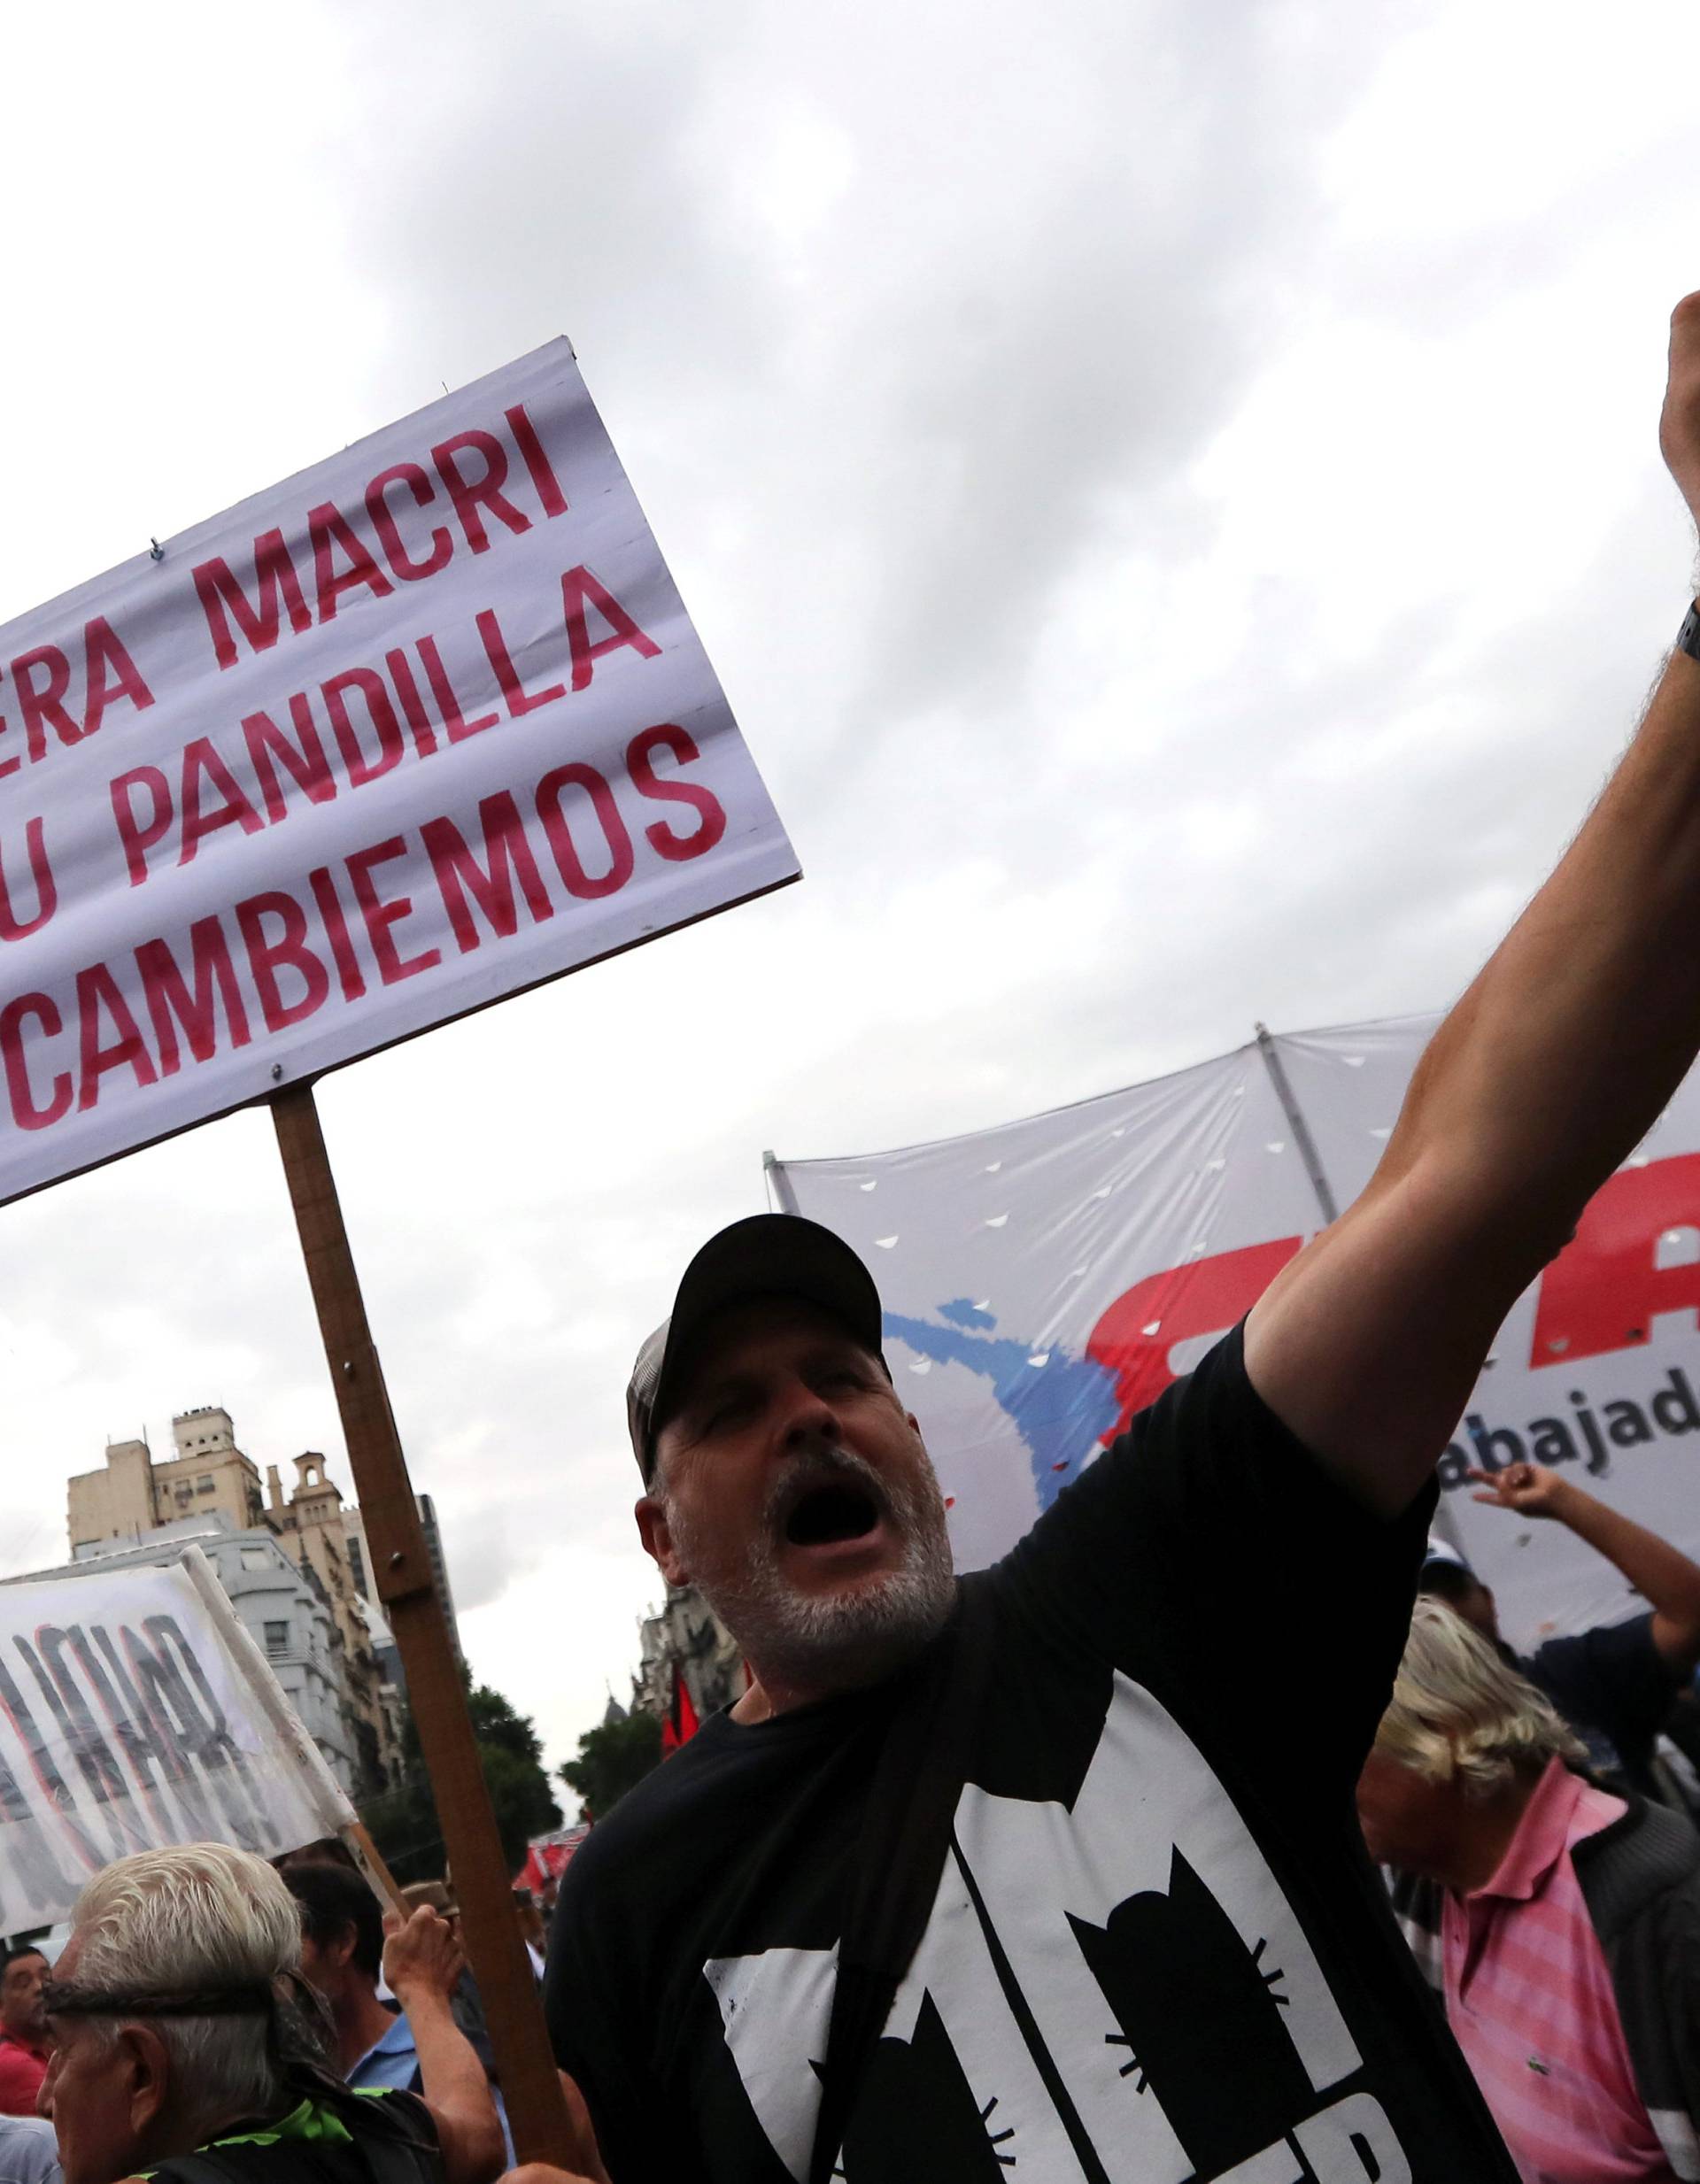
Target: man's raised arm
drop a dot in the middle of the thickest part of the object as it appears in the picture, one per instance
(1543, 1077)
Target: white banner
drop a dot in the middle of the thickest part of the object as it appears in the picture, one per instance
(418, 728)
(135, 1712)
(1044, 1280)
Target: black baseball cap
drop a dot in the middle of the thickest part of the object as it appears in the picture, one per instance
(766, 1255)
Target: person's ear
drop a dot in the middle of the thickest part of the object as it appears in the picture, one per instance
(146, 2065)
(657, 1536)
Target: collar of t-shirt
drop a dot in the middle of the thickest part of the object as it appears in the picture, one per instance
(1562, 1812)
(17, 2040)
(391, 2061)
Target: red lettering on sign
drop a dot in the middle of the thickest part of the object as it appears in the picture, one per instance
(47, 896)
(556, 826)
(472, 494)
(223, 599)
(26, 1111)
(579, 589)
(1602, 1291)
(412, 705)
(98, 991)
(1205, 1297)
(390, 537)
(530, 447)
(201, 761)
(382, 713)
(349, 974)
(108, 673)
(663, 789)
(288, 951)
(41, 705)
(330, 533)
(303, 760)
(507, 856)
(171, 1004)
(138, 835)
(380, 916)
(518, 700)
(448, 704)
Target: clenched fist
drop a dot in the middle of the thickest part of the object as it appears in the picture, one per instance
(420, 1953)
(1678, 425)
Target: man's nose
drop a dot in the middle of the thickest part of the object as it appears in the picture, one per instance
(808, 1417)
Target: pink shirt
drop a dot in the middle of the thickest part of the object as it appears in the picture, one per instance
(1530, 2002)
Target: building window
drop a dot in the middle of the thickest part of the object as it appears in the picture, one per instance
(277, 1638)
(256, 1558)
(204, 1484)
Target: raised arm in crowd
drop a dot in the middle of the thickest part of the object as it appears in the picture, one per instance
(1023, 1867)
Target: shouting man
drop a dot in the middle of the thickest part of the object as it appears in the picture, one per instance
(1054, 1871)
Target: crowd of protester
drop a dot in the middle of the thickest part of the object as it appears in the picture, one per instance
(212, 2020)
(1057, 1868)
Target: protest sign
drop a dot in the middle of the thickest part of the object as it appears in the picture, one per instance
(1045, 1280)
(422, 727)
(135, 1711)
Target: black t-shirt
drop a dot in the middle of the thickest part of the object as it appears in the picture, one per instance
(1157, 1952)
(1615, 1688)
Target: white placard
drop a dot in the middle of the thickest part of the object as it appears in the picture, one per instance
(412, 732)
(135, 1712)
(1044, 1280)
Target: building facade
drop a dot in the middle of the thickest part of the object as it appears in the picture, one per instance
(360, 1557)
(686, 1631)
(132, 1494)
(208, 1478)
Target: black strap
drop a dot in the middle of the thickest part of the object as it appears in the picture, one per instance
(286, 2161)
(394, 2143)
(900, 1855)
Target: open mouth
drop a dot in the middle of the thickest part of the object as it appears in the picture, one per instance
(827, 1514)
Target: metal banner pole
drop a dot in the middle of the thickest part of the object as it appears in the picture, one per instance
(1296, 1124)
(784, 1199)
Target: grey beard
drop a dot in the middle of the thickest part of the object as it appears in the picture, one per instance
(839, 1641)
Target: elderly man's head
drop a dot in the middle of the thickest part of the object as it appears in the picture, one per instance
(131, 2087)
(1457, 1753)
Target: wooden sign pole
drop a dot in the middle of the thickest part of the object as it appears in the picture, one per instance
(401, 1574)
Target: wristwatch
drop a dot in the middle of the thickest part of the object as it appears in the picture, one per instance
(1687, 638)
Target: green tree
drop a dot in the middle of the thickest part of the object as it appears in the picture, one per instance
(404, 1822)
(612, 1757)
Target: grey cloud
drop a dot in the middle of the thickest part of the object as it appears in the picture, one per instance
(917, 326)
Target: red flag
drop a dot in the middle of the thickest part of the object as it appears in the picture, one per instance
(679, 1723)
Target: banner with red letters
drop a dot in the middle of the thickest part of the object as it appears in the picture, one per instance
(1045, 1280)
(419, 728)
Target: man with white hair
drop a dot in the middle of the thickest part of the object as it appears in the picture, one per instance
(1054, 1868)
(184, 2054)
(1562, 1924)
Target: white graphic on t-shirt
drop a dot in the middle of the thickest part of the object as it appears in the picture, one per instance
(775, 2007)
(1118, 1993)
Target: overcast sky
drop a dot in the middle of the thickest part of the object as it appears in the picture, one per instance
(1171, 494)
